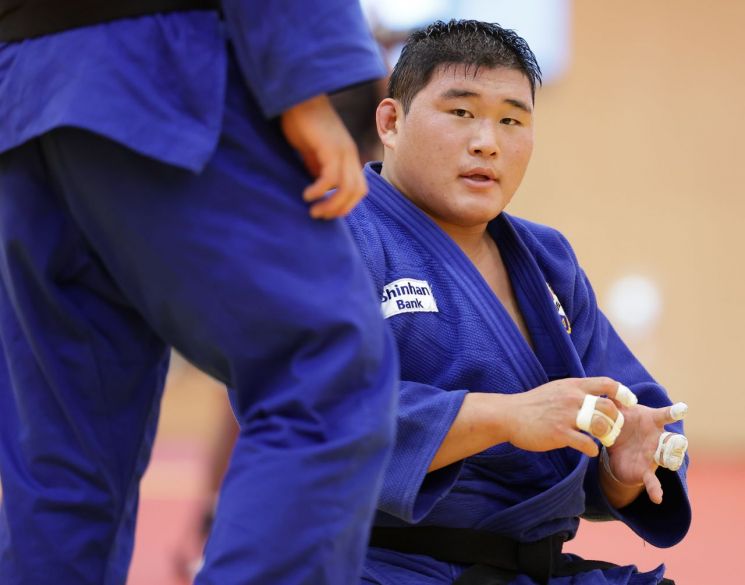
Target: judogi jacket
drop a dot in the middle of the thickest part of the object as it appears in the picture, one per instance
(157, 83)
(454, 336)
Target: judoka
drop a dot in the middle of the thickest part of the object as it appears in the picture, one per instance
(506, 358)
(154, 161)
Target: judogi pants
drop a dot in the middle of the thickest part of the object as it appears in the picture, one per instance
(109, 258)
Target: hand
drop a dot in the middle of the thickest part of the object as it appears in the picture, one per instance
(631, 459)
(546, 417)
(315, 130)
(540, 419)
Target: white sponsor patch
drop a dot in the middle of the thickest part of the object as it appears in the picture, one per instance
(407, 295)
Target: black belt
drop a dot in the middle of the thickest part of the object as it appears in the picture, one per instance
(25, 19)
(494, 559)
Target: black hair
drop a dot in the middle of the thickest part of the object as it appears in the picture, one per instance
(459, 42)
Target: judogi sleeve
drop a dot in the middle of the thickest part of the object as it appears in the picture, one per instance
(603, 353)
(425, 412)
(425, 416)
(292, 50)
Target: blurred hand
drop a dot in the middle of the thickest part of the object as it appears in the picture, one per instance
(315, 130)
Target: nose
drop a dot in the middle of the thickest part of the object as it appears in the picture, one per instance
(485, 142)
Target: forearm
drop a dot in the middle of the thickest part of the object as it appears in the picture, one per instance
(540, 419)
(482, 422)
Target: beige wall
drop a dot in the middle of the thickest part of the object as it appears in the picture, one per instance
(639, 160)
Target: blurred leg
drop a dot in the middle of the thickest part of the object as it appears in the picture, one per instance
(228, 268)
(81, 376)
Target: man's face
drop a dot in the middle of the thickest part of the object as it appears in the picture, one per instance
(462, 149)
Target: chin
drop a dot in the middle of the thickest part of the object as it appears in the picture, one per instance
(477, 215)
(471, 220)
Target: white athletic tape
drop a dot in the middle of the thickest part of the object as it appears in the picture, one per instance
(658, 459)
(625, 396)
(678, 411)
(671, 450)
(584, 416)
(610, 437)
(584, 420)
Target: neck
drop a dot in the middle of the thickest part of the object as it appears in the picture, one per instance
(473, 240)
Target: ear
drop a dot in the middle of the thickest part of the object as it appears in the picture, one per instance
(388, 117)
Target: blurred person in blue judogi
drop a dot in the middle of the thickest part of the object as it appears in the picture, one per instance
(156, 190)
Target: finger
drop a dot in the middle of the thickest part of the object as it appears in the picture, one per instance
(609, 438)
(585, 413)
(582, 443)
(653, 486)
(597, 422)
(607, 407)
(600, 425)
(310, 160)
(678, 411)
(330, 206)
(361, 192)
(350, 190)
(671, 450)
(327, 180)
(599, 386)
(603, 417)
(625, 396)
(353, 203)
(670, 414)
(347, 210)
(607, 386)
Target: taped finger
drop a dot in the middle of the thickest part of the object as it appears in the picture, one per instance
(671, 450)
(584, 420)
(610, 437)
(625, 396)
(584, 416)
(678, 411)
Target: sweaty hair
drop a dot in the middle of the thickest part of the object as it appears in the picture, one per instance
(459, 42)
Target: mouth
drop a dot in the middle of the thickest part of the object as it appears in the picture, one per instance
(480, 176)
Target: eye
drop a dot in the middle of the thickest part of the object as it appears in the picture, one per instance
(461, 113)
(510, 122)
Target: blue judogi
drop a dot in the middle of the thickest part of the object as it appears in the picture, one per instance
(453, 336)
(148, 199)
